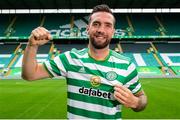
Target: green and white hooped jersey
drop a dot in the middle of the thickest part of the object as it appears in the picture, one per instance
(90, 82)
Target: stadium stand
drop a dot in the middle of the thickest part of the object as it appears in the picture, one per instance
(44, 49)
(64, 25)
(170, 23)
(167, 47)
(4, 24)
(57, 21)
(135, 47)
(7, 48)
(151, 57)
(145, 27)
(25, 23)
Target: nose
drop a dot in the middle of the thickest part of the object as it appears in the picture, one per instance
(101, 29)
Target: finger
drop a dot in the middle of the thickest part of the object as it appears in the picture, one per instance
(50, 37)
(122, 92)
(119, 88)
(46, 33)
(35, 34)
(44, 29)
(122, 100)
(122, 88)
(39, 34)
(119, 98)
(42, 33)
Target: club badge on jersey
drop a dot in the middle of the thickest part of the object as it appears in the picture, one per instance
(111, 75)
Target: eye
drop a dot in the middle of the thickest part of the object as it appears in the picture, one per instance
(95, 24)
(108, 25)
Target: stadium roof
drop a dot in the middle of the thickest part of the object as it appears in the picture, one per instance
(86, 4)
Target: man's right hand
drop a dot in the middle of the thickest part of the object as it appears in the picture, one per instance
(31, 69)
(39, 36)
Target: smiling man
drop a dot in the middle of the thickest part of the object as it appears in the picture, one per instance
(99, 80)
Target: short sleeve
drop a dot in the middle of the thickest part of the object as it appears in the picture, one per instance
(132, 80)
(56, 67)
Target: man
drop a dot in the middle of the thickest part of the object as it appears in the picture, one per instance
(99, 80)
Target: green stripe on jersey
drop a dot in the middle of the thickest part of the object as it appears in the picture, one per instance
(92, 114)
(79, 65)
(55, 68)
(94, 100)
(87, 84)
(105, 62)
(131, 76)
(64, 61)
(51, 75)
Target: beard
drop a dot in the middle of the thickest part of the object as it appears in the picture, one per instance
(98, 44)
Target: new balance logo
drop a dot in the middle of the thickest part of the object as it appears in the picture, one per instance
(82, 70)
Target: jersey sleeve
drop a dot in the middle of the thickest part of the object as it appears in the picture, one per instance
(57, 66)
(132, 80)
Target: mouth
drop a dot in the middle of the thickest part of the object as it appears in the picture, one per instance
(100, 37)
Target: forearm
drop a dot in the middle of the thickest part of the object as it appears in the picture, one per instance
(142, 102)
(29, 63)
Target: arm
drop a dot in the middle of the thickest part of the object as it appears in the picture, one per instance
(137, 102)
(31, 70)
(142, 101)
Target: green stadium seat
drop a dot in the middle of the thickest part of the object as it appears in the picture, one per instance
(144, 24)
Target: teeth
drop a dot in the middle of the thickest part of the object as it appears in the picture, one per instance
(99, 37)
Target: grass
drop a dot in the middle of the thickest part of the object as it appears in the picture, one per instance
(163, 100)
(46, 99)
(41, 99)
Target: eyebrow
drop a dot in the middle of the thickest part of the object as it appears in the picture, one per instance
(96, 21)
(109, 23)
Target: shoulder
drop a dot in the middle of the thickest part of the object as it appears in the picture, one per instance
(73, 53)
(79, 53)
(121, 58)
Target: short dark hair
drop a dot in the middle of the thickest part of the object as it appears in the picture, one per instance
(101, 8)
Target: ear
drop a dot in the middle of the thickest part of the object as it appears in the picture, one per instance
(113, 32)
(87, 29)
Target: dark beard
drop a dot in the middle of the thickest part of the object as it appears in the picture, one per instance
(99, 46)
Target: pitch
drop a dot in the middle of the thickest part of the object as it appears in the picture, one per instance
(46, 99)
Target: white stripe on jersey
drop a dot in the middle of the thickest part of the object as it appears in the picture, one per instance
(87, 77)
(94, 66)
(132, 81)
(116, 60)
(47, 63)
(93, 107)
(131, 68)
(73, 116)
(60, 66)
(136, 88)
(111, 59)
(80, 56)
(75, 89)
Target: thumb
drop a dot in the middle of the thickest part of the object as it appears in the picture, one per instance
(50, 37)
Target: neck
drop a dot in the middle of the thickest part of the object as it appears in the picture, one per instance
(98, 54)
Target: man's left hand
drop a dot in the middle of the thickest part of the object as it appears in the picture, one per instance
(125, 97)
